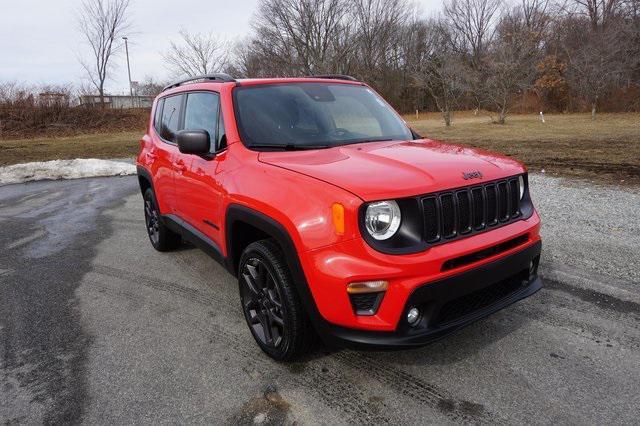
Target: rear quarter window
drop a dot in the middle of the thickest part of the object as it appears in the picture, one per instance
(171, 118)
(157, 119)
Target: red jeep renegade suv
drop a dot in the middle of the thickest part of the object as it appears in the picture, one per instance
(337, 218)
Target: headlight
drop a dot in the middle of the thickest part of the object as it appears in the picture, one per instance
(382, 219)
(521, 186)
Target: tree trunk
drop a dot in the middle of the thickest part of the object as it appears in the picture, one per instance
(446, 115)
(593, 111)
(502, 117)
(101, 92)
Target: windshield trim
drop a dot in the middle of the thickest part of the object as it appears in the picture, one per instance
(238, 87)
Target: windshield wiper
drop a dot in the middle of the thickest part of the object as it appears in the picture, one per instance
(287, 146)
(354, 142)
(375, 140)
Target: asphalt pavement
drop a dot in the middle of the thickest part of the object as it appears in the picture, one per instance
(97, 327)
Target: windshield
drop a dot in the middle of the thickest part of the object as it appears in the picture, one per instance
(314, 115)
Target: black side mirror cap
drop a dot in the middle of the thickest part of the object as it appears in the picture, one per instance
(196, 142)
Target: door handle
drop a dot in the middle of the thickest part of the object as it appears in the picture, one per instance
(151, 156)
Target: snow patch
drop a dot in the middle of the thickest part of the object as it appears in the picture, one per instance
(64, 169)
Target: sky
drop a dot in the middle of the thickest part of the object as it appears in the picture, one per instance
(40, 42)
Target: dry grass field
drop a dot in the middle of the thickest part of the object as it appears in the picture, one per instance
(98, 145)
(607, 149)
(566, 144)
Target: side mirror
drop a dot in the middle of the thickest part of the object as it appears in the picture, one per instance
(197, 142)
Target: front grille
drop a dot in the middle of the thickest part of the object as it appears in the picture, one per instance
(448, 215)
(492, 205)
(451, 215)
(431, 220)
(503, 201)
(464, 211)
(465, 305)
(514, 197)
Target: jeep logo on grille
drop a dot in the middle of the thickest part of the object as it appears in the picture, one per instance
(476, 174)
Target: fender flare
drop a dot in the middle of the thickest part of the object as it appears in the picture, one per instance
(239, 213)
(144, 173)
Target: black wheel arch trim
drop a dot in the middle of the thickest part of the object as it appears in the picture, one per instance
(270, 226)
(145, 174)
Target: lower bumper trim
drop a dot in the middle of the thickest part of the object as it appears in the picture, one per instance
(451, 303)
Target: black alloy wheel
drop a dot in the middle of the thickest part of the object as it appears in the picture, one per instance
(271, 304)
(161, 237)
(262, 303)
(152, 219)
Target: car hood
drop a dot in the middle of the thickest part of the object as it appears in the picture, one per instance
(396, 169)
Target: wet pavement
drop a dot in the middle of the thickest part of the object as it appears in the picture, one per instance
(97, 327)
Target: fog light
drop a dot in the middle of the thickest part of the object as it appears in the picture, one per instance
(413, 316)
(533, 266)
(367, 287)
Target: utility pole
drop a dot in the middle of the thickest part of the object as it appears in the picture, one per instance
(126, 48)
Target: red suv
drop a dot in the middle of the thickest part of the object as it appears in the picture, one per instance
(338, 220)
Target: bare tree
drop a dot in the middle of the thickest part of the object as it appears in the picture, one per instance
(197, 54)
(600, 41)
(599, 65)
(537, 15)
(10, 91)
(378, 26)
(302, 37)
(509, 68)
(599, 12)
(149, 87)
(380, 43)
(439, 69)
(632, 15)
(475, 22)
(244, 61)
(102, 24)
(486, 53)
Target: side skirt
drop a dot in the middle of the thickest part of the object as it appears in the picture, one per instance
(197, 238)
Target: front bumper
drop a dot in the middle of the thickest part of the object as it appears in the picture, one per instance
(451, 303)
(329, 269)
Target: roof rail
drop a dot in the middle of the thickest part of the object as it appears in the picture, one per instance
(213, 77)
(335, 77)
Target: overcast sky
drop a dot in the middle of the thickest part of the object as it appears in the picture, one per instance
(40, 43)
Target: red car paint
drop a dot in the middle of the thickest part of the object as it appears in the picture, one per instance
(297, 190)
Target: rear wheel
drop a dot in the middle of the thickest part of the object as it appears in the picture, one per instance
(161, 237)
(271, 304)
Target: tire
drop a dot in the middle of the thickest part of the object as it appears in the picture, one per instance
(161, 237)
(271, 305)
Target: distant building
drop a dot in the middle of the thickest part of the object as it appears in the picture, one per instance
(118, 101)
(53, 98)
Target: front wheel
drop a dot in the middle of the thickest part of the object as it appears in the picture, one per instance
(161, 237)
(271, 304)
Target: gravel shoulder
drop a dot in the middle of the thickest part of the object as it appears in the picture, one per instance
(97, 327)
(589, 231)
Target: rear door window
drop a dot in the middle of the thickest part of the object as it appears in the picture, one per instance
(171, 118)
